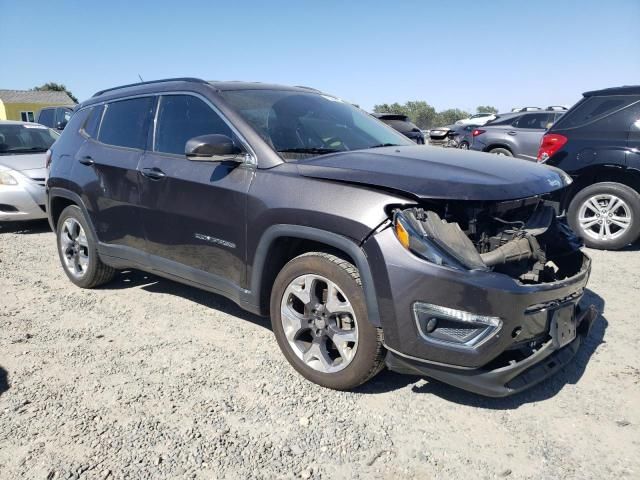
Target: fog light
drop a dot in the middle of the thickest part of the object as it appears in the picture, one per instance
(455, 327)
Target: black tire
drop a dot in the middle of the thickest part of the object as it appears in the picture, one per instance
(97, 273)
(464, 146)
(369, 357)
(501, 151)
(627, 194)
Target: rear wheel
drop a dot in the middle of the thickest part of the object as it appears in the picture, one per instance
(464, 146)
(319, 318)
(606, 215)
(501, 151)
(77, 250)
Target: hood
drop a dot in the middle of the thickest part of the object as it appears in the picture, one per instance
(438, 173)
(23, 161)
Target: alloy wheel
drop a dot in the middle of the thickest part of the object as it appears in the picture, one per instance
(319, 323)
(74, 247)
(604, 217)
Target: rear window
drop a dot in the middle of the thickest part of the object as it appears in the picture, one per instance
(401, 125)
(46, 117)
(595, 109)
(125, 123)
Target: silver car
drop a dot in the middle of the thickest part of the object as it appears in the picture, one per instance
(23, 148)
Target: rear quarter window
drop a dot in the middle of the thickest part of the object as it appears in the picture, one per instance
(604, 113)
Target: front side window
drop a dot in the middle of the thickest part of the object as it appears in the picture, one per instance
(16, 138)
(27, 116)
(535, 121)
(125, 123)
(298, 123)
(182, 117)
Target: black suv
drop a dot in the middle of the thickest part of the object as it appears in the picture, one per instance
(402, 124)
(55, 117)
(597, 142)
(365, 249)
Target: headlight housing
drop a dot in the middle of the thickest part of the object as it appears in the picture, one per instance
(7, 179)
(412, 236)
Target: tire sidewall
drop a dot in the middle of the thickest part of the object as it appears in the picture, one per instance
(501, 151)
(631, 198)
(74, 212)
(359, 369)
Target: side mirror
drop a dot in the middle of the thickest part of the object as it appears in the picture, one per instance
(212, 148)
(61, 125)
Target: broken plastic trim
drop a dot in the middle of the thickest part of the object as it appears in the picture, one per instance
(421, 245)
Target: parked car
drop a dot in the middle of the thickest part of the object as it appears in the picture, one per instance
(597, 142)
(402, 124)
(55, 117)
(514, 134)
(464, 135)
(440, 136)
(477, 119)
(366, 249)
(23, 148)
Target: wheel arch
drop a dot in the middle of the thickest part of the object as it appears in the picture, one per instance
(603, 173)
(491, 146)
(58, 199)
(283, 242)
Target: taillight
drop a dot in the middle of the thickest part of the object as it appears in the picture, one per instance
(551, 143)
(47, 159)
(477, 132)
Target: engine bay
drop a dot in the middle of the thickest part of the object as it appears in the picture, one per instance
(524, 239)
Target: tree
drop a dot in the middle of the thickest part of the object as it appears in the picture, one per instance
(55, 87)
(419, 112)
(450, 116)
(486, 109)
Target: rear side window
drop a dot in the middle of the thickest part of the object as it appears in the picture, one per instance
(602, 111)
(46, 117)
(92, 125)
(536, 121)
(125, 123)
(182, 117)
(509, 120)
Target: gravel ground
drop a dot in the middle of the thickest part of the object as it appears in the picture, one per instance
(146, 378)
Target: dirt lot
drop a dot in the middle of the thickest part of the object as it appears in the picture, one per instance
(146, 378)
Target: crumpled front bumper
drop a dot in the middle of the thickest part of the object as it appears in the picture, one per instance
(506, 380)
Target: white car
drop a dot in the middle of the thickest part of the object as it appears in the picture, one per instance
(23, 148)
(477, 119)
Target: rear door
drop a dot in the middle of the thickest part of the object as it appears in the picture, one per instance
(194, 211)
(528, 133)
(111, 161)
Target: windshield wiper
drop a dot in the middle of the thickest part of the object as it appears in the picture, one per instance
(23, 150)
(385, 145)
(309, 150)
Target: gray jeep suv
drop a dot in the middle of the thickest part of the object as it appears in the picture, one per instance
(365, 249)
(514, 134)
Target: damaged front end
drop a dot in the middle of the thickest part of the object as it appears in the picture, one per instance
(523, 239)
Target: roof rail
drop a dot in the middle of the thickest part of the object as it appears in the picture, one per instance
(179, 79)
(307, 88)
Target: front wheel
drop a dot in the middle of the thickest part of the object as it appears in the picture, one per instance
(319, 318)
(606, 215)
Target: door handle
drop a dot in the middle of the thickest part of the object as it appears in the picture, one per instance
(512, 133)
(153, 173)
(86, 160)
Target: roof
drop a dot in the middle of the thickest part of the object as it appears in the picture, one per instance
(391, 116)
(624, 90)
(34, 96)
(17, 122)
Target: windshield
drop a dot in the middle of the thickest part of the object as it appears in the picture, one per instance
(23, 138)
(300, 124)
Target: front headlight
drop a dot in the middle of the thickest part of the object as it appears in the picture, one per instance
(7, 179)
(413, 237)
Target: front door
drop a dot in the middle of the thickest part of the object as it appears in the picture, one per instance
(194, 211)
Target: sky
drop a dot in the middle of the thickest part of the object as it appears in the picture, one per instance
(457, 54)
